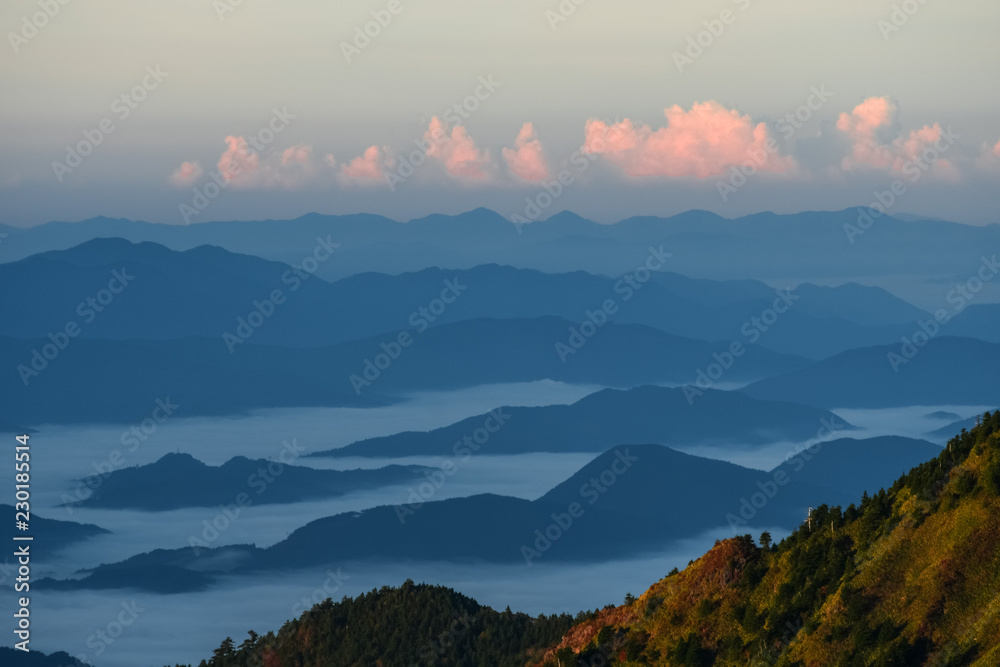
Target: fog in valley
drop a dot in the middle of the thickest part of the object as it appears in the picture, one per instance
(172, 625)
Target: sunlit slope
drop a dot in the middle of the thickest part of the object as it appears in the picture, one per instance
(911, 576)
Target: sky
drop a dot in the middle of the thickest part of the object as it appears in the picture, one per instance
(194, 110)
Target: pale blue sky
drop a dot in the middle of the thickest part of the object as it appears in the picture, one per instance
(608, 61)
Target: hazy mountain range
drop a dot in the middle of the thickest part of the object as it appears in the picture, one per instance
(764, 245)
(203, 377)
(902, 577)
(646, 495)
(55, 534)
(610, 417)
(206, 291)
(180, 480)
(704, 334)
(221, 333)
(893, 376)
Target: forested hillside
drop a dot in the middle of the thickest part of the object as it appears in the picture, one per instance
(908, 576)
(414, 624)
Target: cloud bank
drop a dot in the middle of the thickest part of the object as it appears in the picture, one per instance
(705, 141)
(186, 174)
(865, 125)
(527, 159)
(456, 150)
(367, 167)
(702, 142)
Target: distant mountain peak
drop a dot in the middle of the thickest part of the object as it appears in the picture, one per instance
(567, 216)
(480, 215)
(174, 459)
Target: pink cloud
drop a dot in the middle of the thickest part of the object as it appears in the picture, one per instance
(186, 174)
(456, 150)
(867, 117)
(989, 157)
(245, 168)
(238, 164)
(298, 154)
(702, 142)
(911, 147)
(526, 159)
(366, 167)
(330, 160)
(863, 126)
